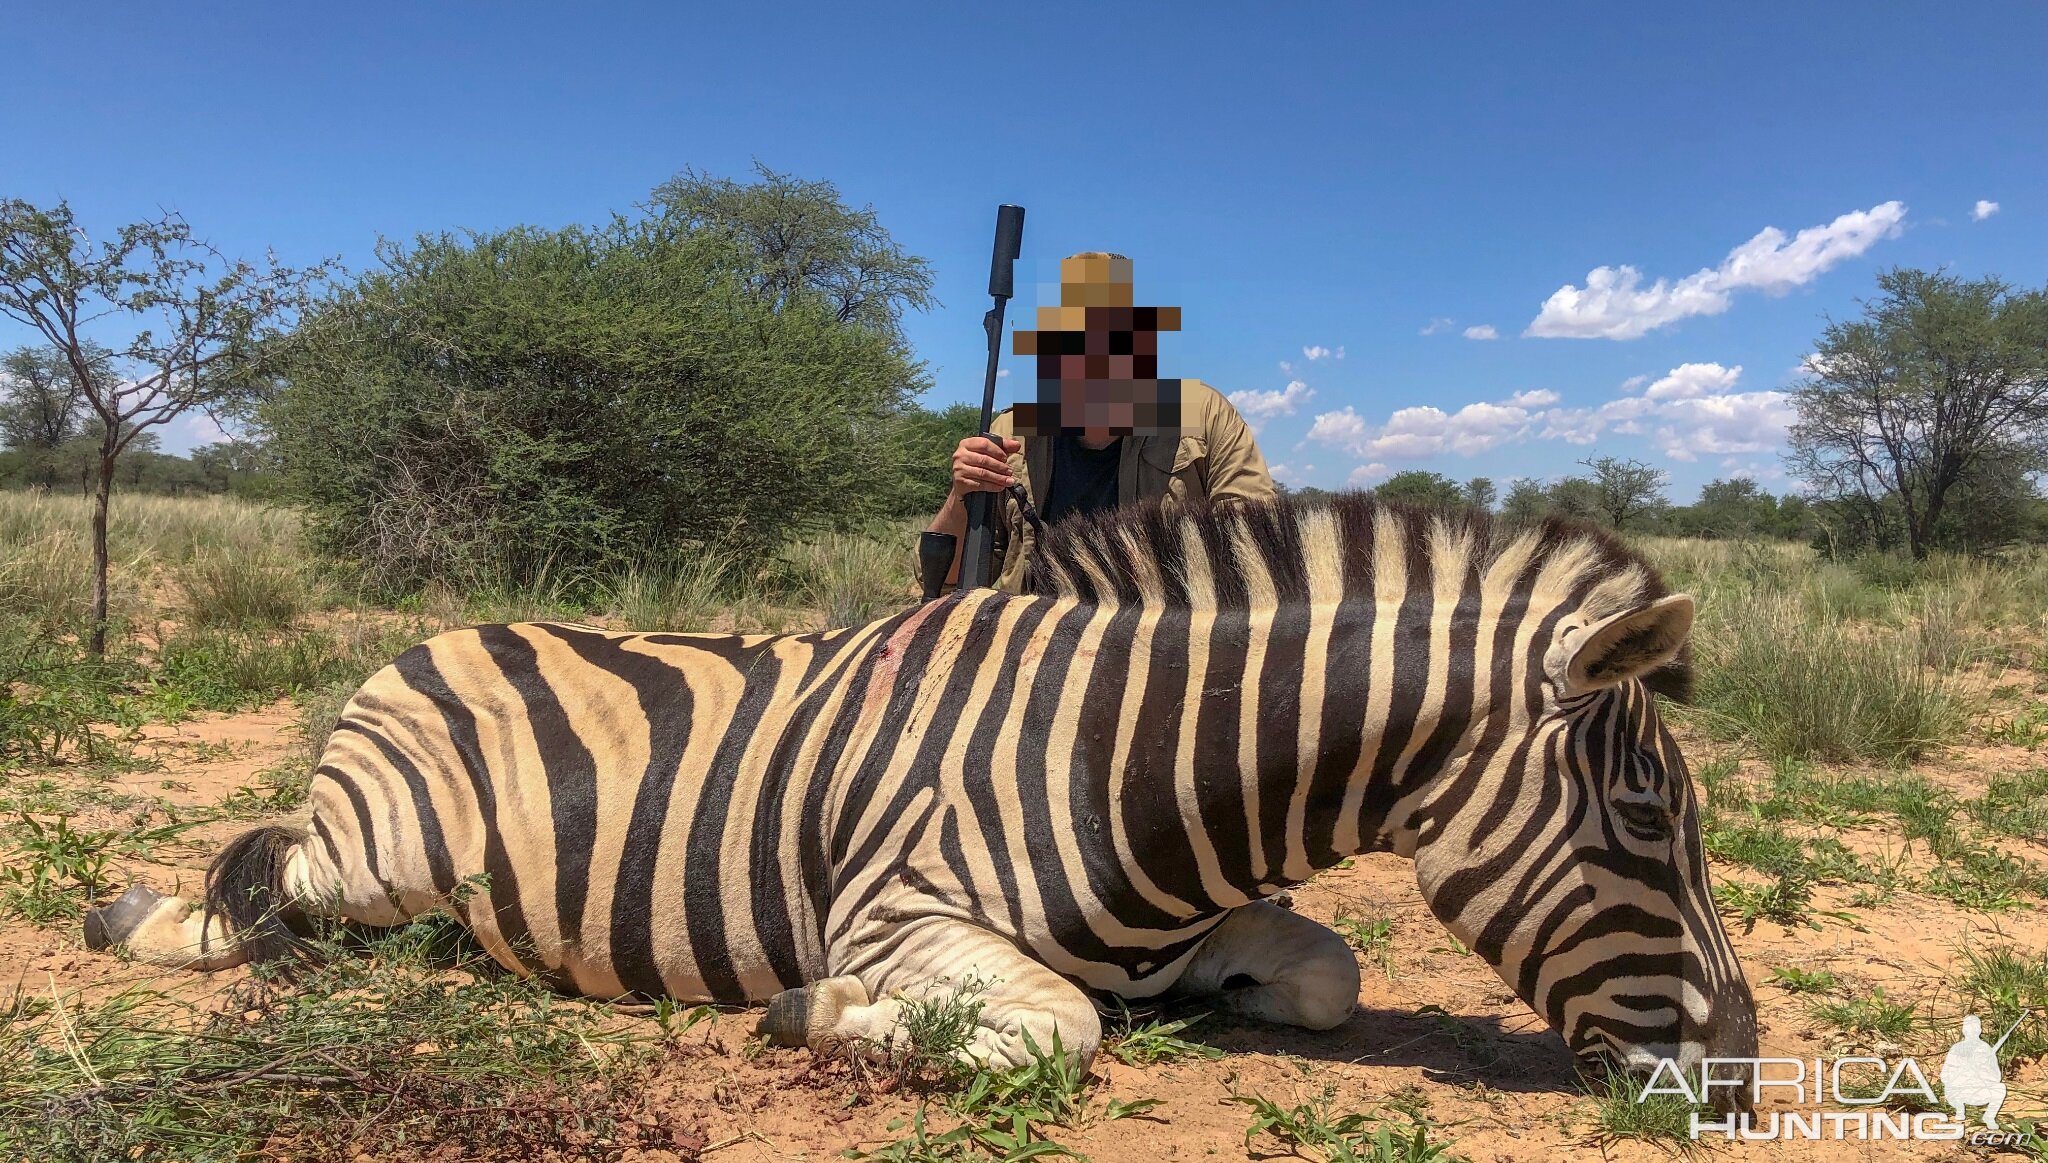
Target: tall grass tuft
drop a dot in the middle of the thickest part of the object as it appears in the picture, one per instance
(682, 596)
(241, 590)
(1802, 685)
(852, 579)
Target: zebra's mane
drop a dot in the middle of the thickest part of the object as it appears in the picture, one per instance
(1261, 555)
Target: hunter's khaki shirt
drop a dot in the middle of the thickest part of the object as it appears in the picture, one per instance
(1217, 460)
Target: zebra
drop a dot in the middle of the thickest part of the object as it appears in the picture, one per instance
(1090, 789)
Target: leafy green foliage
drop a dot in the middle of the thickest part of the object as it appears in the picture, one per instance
(59, 872)
(567, 399)
(1005, 1114)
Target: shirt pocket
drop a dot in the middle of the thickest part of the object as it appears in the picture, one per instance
(1185, 467)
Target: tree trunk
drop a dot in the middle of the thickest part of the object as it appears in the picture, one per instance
(101, 493)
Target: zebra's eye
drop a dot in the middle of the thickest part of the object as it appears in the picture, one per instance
(1645, 814)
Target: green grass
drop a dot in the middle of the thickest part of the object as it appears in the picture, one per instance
(251, 591)
(57, 872)
(850, 579)
(1622, 1111)
(2016, 804)
(1798, 684)
(1787, 899)
(415, 1042)
(1315, 1129)
(1005, 1114)
(228, 670)
(2001, 983)
(1868, 1018)
(681, 597)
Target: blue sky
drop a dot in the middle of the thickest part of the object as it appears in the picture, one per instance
(1295, 177)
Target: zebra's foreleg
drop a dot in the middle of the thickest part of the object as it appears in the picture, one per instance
(1018, 1004)
(1278, 966)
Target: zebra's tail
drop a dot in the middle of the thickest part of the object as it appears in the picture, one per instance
(245, 890)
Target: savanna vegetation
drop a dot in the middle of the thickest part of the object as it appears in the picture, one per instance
(704, 416)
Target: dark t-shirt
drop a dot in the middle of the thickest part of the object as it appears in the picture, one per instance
(1083, 478)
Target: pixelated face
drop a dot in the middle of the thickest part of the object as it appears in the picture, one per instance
(1103, 379)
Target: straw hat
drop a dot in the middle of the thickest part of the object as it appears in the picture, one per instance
(1096, 290)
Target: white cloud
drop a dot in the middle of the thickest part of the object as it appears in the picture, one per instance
(1691, 411)
(1344, 428)
(1984, 209)
(1286, 367)
(1424, 431)
(1482, 331)
(1366, 474)
(1003, 374)
(1259, 405)
(1315, 352)
(1690, 380)
(1438, 324)
(1284, 473)
(1614, 304)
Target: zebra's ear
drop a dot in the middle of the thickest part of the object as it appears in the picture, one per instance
(1628, 645)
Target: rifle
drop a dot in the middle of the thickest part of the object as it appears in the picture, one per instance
(977, 555)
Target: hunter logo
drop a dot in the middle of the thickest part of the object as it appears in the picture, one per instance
(1970, 1077)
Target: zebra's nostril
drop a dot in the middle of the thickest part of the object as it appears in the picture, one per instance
(1241, 981)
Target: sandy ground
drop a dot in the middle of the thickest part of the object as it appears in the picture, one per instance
(1441, 1030)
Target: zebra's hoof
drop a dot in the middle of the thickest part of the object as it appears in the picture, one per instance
(109, 925)
(788, 1020)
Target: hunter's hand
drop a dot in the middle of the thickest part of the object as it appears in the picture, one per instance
(977, 469)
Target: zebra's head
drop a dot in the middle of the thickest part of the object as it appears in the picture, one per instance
(1569, 855)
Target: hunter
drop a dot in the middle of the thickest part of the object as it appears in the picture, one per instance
(1104, 430)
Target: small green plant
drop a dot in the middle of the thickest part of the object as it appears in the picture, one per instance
(1005, 1113)
(1155, 1041)
(938, 1030)
(1787, 899)
(1871, 1017)
(676, 1019)
(60, 872)
(412, 1036)
(1371, 936)
(1314, 1129)
(1795, 980)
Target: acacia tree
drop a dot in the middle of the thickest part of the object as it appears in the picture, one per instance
(1940, 379)
(152, 324)
(1626, 488)
(40, 409)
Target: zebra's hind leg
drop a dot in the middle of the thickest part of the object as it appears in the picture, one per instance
(1278, 966)
(1021, 1004)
